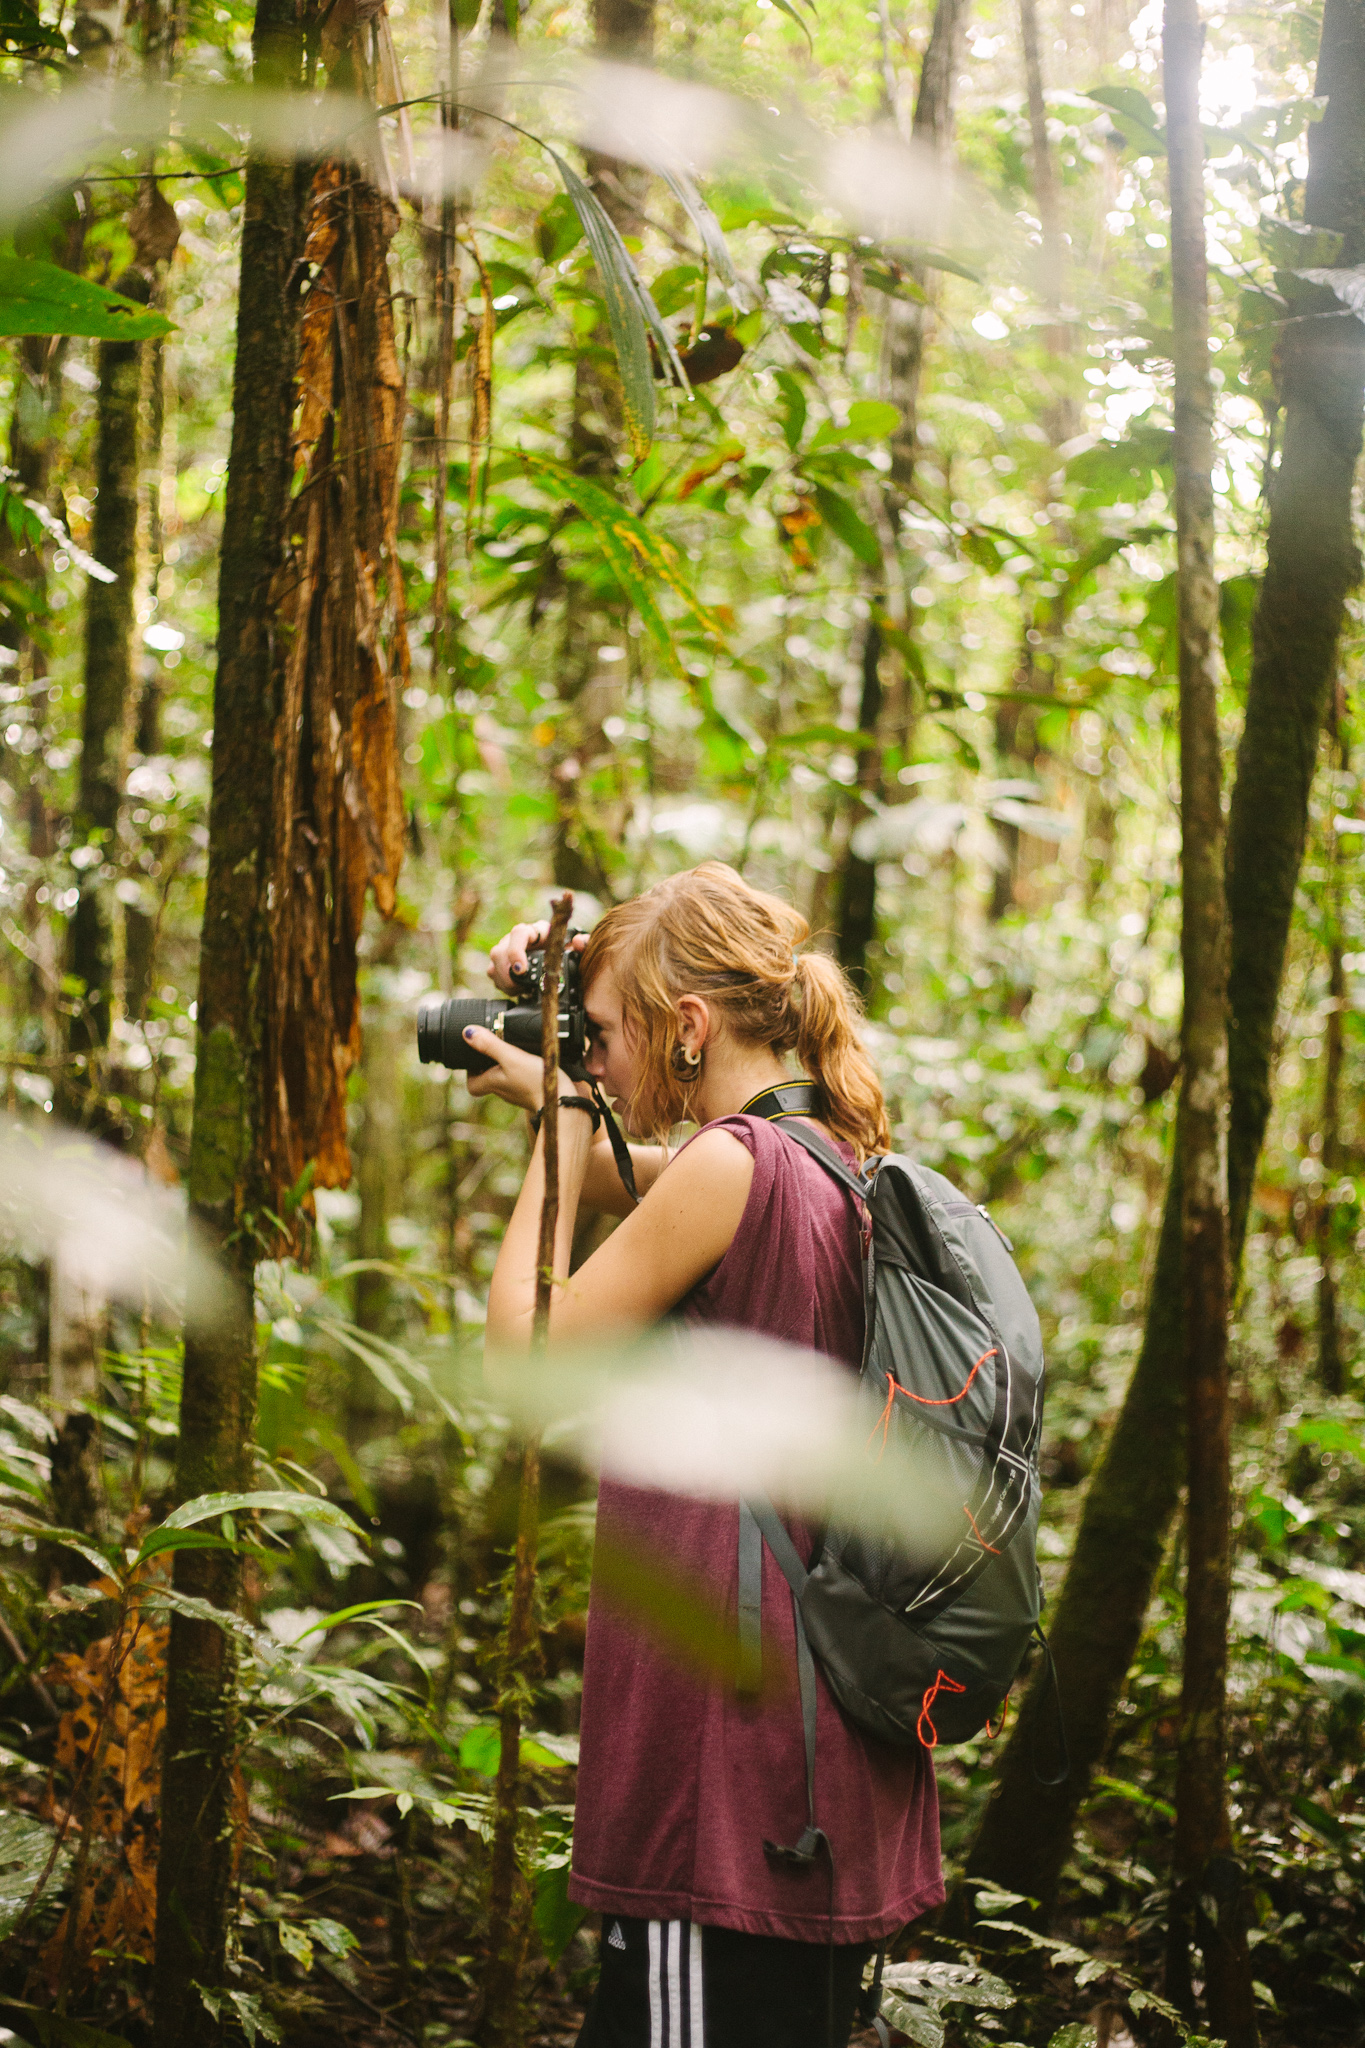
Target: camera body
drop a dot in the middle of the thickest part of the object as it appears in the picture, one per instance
(442, 1020)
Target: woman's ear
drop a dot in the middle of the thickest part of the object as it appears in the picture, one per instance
(694, 1023)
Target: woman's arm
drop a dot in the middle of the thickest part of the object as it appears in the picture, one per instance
(681, 1230)
(519, 1077)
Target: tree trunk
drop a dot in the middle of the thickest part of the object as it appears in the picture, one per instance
(502, 2019)
(1311, 564)
(858, 877)
(1331, 1363)
(1026, 1834)
(305, 815)
(227, 1183)
(905, 336)
(109, 624)
(1206, 1866)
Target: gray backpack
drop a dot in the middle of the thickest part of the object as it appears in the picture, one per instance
(920, 1645)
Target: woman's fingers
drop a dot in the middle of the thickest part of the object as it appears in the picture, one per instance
(508, 957)
(518, 1077)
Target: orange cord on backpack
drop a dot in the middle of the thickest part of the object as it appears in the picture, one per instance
(991, 1733)
(941, 1683)
(893, 1387)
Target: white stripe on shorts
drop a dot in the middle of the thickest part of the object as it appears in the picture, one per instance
(676, 2018)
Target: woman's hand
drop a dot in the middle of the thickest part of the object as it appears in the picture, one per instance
(509, 955)
(517, 1076)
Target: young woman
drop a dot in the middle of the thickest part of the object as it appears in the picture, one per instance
(696, 993)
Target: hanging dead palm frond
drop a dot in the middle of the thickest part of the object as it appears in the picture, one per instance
(338, 799)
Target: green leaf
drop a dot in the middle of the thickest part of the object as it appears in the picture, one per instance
(631, 313)
(785, 7)
(708, 228)
(637, 556)
(348, 1614)
(51, 2030)
(158, 1541)
(1080, 2034)
(25, 1845)
(1119, 469)
(21, 31)
(555, 1916)
(1133, 115)
(558, 228)
(65, 1539)
(42, 298)
(309, 1507)
(793, 409)
(1236, 606)
(296, 1944)
(920, 2022)
(331, 1935)
(843, 518)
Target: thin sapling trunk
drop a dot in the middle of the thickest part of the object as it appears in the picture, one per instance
(508, 1904)
(1206, 1904)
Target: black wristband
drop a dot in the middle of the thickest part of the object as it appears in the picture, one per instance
(571, 1102)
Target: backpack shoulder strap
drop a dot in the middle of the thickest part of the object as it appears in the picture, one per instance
(828, 1158)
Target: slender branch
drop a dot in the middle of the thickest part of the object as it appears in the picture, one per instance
(508, 1923)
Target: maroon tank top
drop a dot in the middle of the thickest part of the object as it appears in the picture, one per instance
(680, 1780)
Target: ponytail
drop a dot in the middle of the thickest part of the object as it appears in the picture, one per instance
(830, 1050)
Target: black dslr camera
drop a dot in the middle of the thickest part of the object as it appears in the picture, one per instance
(441, 1021)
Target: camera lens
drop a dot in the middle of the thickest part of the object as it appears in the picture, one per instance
(441, 1022)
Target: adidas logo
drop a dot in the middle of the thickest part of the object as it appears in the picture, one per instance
(616, 1939)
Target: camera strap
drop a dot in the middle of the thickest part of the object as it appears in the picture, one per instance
(620, 1150)
(790, 1098)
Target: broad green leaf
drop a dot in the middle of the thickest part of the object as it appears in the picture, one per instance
(1236, 604)
(52, 2030)
(65, 1539)
(557, 1919)
(25, 1845)
(296, 1944)
(158, 1541)
(309, 1507)
(631, 313)
(793, 410)
(637, 556)
(165, 1600)
(843, 518)
(42, 298)
(1080, 2034)
(480, 1748)
(920, 2022)
(1133, 115)
(332, 1935)
(21, 31)
(558, 228)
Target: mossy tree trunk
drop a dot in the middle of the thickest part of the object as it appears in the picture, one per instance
(1206, 1866)
(1096, 1622)
(226, 1184)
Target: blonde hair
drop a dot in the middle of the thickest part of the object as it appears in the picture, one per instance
(706, 932)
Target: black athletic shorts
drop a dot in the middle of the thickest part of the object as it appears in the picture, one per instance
(671, 1984)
